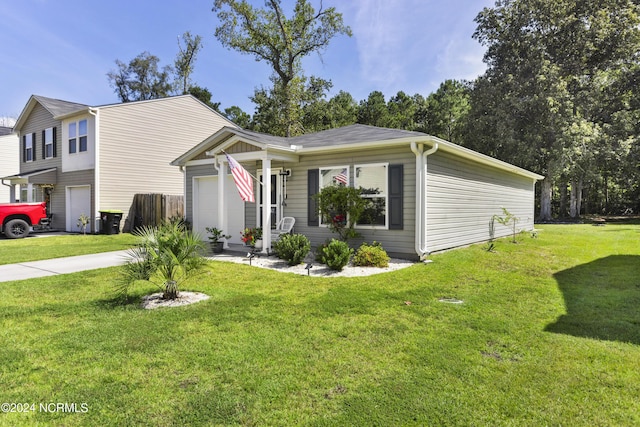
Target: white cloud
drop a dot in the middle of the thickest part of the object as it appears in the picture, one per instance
(414, 45)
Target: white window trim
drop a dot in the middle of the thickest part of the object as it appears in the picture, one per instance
(48, 143)
(69, 138)
(86, 136)
(385, 195)
(348, 168)
(29, 138)
(77, 137)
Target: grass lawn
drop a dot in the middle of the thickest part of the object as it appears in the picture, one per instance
(548, 334)
(37, 247)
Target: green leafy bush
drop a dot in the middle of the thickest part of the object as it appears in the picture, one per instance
(372, 255)
(292, 248)
(336, 254)
(320, 252)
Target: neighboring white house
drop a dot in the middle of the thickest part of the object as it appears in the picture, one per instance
(429, 194)
(84, 159)
(9, 161)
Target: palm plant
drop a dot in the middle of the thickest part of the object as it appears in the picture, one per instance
(166, 255)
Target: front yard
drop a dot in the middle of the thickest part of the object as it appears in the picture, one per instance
(548, 333)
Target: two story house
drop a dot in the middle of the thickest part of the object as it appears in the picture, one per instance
(83, 159)
(9, 161)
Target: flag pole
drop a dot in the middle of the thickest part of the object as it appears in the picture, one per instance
(251, 175)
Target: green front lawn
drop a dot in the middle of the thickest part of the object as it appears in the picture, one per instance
(548, 334)
(38, 247)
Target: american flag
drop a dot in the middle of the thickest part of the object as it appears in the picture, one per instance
(342, 177)
(242, 178)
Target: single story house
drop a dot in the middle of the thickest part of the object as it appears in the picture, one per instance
(83, 159)
(433, 195)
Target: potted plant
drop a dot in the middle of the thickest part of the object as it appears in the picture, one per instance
(252, 237)
(215, 239)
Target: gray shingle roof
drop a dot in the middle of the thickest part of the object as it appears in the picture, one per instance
(58, 107)
(331, 137)
(351, 134)
(5, 131)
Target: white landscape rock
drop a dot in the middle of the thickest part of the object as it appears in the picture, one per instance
(317, 269)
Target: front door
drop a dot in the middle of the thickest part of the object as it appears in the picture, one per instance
(276, 201)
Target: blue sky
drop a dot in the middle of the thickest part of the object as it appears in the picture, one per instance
(64, 48)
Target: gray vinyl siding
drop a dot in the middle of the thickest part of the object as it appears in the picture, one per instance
(39, 120)
(396, 242)
(59, 197)
(137, 142)
(463, 196)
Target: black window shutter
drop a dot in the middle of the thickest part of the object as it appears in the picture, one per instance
(313, 186)
(24, 148)
(396, 196)
(33, 145)
(55, 148)
(44, 144)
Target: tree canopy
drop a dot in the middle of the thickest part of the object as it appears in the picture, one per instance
(549, 94)
(140, 79)
(268, 35)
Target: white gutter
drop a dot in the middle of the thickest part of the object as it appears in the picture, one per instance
(96, 167)
(421, 247)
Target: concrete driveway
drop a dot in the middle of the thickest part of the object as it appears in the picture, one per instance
(55, 266)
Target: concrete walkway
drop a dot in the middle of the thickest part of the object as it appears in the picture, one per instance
(55, 266)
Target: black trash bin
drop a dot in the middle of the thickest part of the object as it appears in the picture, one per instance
(110, 223)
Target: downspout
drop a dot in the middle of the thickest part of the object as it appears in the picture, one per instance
(421, 247)
(96, 168)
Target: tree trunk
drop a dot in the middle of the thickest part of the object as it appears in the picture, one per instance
(575, 204)
(545, 199)
(563, 200)
(580, 187)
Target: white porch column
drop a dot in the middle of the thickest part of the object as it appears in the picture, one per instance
(29, 193)
(266, 205)
(222, 202)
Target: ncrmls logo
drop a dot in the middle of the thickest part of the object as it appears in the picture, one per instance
(64, 407)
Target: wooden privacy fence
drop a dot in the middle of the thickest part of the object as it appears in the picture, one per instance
(151, 209)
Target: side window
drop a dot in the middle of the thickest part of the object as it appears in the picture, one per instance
(47, 136)
(28, 147)
(73, 147)
(82, 135)
(372, 181)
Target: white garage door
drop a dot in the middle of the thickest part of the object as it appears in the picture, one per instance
(205, 207)
(78, 203)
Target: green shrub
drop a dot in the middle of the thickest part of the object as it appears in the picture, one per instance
(165, 255)
(320, 252)
(336, 254)
(292, 248)
(372, 255)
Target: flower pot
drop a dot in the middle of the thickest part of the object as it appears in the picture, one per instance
(217, 247)
(258, 244)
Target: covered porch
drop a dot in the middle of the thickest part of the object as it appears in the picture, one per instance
(33, 186)
(261, 160)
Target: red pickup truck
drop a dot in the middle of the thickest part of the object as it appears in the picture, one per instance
(16, 219)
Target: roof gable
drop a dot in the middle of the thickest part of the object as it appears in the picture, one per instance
(55, 107)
